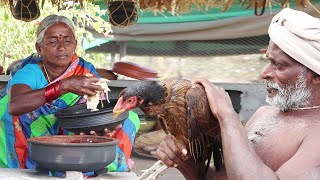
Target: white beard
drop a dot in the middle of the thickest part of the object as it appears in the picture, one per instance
(291, 96)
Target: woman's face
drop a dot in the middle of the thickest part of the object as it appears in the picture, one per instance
(58, 45)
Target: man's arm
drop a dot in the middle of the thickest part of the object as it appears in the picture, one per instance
(305, 164)
(170, 153)
(190, 170)
(240, 159)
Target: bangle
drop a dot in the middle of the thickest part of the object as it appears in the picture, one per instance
(52, 91)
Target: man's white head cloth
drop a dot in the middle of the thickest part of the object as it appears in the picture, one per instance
(48, 22)
(298, 35)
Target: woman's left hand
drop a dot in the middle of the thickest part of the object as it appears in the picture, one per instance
(105, 132)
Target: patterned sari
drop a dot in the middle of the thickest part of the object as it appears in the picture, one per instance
(15, 130)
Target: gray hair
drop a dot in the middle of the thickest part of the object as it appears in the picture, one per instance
(48, 22)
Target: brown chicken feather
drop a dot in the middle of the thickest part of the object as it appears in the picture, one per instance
(183, 111)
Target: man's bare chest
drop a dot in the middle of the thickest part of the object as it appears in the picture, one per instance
(275, 142)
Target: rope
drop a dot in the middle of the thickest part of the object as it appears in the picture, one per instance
(122, 13)
(25, 10)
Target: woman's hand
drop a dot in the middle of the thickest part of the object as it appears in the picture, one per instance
(219, 100)
(105, 132)
(112, 132)
(81, 85)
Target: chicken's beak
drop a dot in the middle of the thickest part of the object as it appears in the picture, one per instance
(118, 108)
(116, 113)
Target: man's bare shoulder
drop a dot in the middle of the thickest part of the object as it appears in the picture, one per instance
(314, 135)
(264, 109)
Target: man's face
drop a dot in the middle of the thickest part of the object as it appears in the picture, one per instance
(286, 80)
(58, 45)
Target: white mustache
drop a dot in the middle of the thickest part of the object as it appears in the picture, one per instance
(270, 84)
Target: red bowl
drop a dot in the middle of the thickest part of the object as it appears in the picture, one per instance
(108, 74)
(134, 71)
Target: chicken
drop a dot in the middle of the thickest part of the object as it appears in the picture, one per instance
(183, 111)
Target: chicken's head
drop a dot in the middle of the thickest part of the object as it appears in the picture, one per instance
(141, 94)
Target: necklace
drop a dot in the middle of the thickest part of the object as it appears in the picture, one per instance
(303, 108)
(45, 70)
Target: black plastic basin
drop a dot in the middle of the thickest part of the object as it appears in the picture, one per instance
(80, 119)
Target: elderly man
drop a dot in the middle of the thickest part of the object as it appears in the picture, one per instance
(280, 141)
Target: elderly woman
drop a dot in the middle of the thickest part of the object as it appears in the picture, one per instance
(53, 80)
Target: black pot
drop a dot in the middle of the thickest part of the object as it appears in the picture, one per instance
(26, 10)
(73, 153)
(122, 13)
(80, 119)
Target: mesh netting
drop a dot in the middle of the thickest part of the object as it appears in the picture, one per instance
(251, 45)
(233, 60)
(25, 10)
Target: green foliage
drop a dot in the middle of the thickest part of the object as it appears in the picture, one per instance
(18, 38)
(101, 60)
